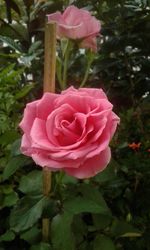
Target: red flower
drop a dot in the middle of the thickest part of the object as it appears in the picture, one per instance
(134, 145)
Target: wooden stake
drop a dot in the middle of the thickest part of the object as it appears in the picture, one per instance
(49, 86)
(50, 57)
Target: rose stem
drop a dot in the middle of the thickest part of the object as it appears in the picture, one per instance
(89, 62)
(49, 86)
(66, 58)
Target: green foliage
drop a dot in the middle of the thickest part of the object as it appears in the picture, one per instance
(8, 236)
(13, 164)
(111, 210)
(31, 183)
(103, 242)
(62, 236)
(26, 213)
(41, 246)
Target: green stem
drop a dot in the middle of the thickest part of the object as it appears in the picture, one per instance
(59, 71)
(58, 180)
(65, 68)
(90, 60)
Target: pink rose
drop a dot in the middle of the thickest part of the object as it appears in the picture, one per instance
(77, 24)
(70, 131)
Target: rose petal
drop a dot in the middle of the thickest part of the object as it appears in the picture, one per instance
(55, 128)
(91, 166)
(73, 16)
(79, 18)
(28, 117)
(56, 17)
(45, 160)
(93, 92)
(114, 123)
(39, 136)
(25, 145)
(46, 105)
(89, 42)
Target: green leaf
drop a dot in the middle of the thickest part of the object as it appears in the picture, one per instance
(80, 205)
(59, 70)
(32, 235)
(24, 91)
(10, 199)
(103, 243)
(26, 213)
(64, 45)
(101, 221)
(34, 47)
(123, 229)
(31, 183)
(61, 235)
(7, 236)
(10, 42)
(90, 192)
(27, 59)
(8, 137)
(69, 179)
(14, 164)
(90, 201)
(15, 148)
(79, 228)
(41, 246)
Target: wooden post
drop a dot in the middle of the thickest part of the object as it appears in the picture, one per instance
(49, 86)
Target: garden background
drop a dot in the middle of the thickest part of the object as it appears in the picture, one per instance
(111, 210)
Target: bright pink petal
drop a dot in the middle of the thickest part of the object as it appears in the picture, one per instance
(46, 105)
(56, 17)
(93, 92)
(91, 27)
(57, 126)
(72, 32)
(113, 122)
(92, 166)
(39, 136)
(28, 117)
(45, 160)
(26, 145)
(73, 16)
(85, 24)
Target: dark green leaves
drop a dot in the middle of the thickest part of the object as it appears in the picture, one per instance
(123, 229)
(26, 213)
(41, 246)
(14, 164)
(62, 236)
(32, 183)
(104, 243)
(7, 236)
(81, 205)
(90, 201)
(32, 235)
(10, 42)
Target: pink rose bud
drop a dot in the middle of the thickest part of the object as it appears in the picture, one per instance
(77, 24)
(70, 131)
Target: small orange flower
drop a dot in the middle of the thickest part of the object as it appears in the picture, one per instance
(134, 145)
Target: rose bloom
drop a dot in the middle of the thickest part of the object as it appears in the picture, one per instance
(70, 131)
(77, 24)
